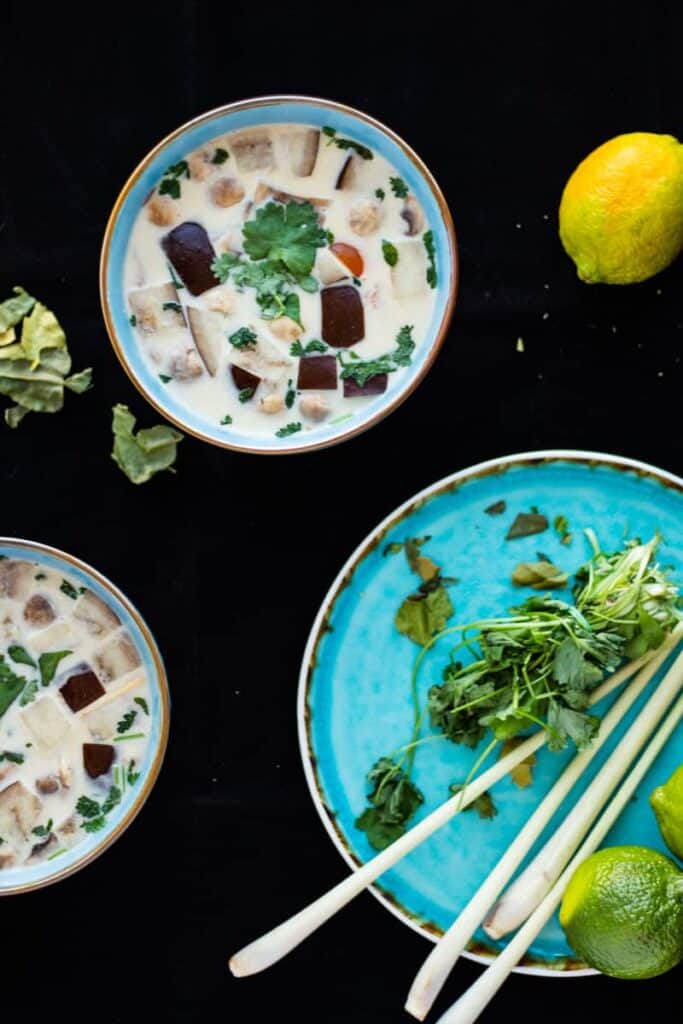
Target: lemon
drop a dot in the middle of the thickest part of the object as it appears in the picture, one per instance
(622, 912)
(621, 214)
(667, 803)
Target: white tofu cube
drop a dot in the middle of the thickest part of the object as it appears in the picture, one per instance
(47, 723)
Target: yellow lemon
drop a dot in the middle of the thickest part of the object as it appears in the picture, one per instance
(621, 214)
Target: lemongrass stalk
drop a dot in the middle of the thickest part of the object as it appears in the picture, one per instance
(527, 891)
(474, 1001)
(435, 970)
(274, 945)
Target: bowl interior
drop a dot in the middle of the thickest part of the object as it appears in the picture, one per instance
(192, 136)
(24, 878)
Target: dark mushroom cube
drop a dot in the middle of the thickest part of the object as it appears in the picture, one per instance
(190, 252)
(343, 319)
(81, 689)
(243, 379)
(38, 611)
(318, 373)
(376, 385)
(97, 758)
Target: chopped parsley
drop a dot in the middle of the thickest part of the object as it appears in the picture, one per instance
(315, 345)
(245, 394)
(42, 831)
(164, 378)
(226, 421)
(71, 591)
(290, 396)
(175, 306)
(8, 755)
(380, 193)
(390, 253)
(126, 721)
(170, 183)
(361, 371)
(220, 156)
(132, 320)
(94, 815)
(141, 702)
(393, 801)
(341, 143)
(29, 694)
(288, 430)
(399, 187)
(432, 276)
(244, 337)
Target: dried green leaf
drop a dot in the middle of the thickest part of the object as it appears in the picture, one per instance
(540, 575)
(149, 451)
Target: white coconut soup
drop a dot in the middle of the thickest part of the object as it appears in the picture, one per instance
(279, 277)
(74, 713)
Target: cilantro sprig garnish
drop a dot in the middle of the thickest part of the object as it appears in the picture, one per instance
(170, 183)
(342, 143)
(362, 370)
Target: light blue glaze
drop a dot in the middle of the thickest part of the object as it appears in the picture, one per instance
(196, 136)
(41, 872)
(359, 697)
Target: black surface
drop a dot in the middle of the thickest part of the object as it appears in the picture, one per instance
(229, 559)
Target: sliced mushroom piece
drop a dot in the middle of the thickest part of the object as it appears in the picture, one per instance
(186, 365)
(117, 657)
(16, 578)
(253, 150)
(69, 832)
(156, 308)
(413, 216)
(207, 331)
(95, 614)
(226, 192)
(317, 373)
(264, 192)
(265, 360)
(47, 722)
(243, 380)
(19, 812)
(41, 851)
(47, 785)
(81, 689)
(38, 611)
(376, 385)
(343, 320)
(346, 179)
(365, 217)
(162, 210)
(409, 275)
(97, 758)
(303, 150)
(8, 858)
(314, 407)
(201, 164)
(328, 268)
(190, 252)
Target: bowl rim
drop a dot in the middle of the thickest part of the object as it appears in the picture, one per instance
(162, 682)
(539, 968)
(453, 283)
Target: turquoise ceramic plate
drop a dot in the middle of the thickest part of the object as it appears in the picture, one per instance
(245, 114)
(23, 879)
(354, 703)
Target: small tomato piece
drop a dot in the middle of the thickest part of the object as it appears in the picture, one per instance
(349, 256)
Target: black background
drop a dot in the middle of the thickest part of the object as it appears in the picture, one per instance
(229, 560)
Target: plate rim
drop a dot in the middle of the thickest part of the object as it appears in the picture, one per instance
(369, 541)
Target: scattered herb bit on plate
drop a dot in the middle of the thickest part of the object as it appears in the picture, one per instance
(561, 528)
(496, 509)
(141, 702)
(149, 451)
(541, 575)
(42, 831)
(521, 774)
(526, 524)
(393, 801)
(245, 394)
(483, 804)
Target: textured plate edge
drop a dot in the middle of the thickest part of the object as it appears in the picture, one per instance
(369, 542)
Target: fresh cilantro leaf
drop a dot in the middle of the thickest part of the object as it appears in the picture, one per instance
(330, 132)
(363, 370)
(290, 397)
(245, 394)
(399, 187)
(496, 509)
(220, 156)
(292, 308)
(170, 187)
(288, 430)
(566, 724)
(48, 664)
(87, 808)
(8, 755)
(29, 693)
(521, 774)
(405, 346)
(380, 193)
(315, 345)
(20, 655)
(71, 591)
(126, 721)
(223, 264)
(164, 378)
(42, 831)
(149, 451)
(287, 232)
(393, 800)
(226, 421)
(141, 702)
(526, 524)
(94, 824)
(131, 775)
(113, 798)
(341, 143)
(243, 338)
(432, 276)
(390, 253)
(11, 686)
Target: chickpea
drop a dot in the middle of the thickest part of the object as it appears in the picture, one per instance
(226, 192)
(186, 366)
(271, 404)
(313, 407)
(200, 165)
(162, 211)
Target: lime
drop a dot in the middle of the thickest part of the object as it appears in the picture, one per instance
(622, 912)
(621, 214)
(667, 803)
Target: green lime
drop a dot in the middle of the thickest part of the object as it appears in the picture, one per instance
(667, 803)
(622, 912)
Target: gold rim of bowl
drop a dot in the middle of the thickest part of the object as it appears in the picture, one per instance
(439, 336)
(162, 685)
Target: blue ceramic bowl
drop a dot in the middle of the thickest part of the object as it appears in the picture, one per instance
(23, 879)
(354, 689)
(269, 110)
